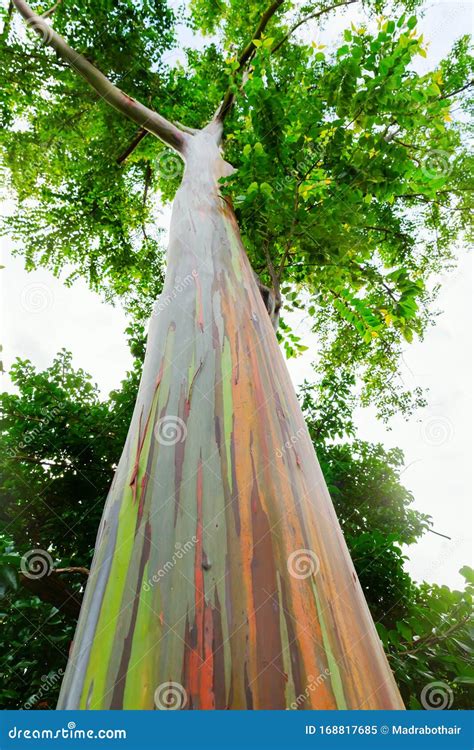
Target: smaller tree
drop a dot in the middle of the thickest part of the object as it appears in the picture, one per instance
(430, 648)
(60, 443)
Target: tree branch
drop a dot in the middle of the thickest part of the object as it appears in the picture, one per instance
(457, 91)
(53, 591)
(249, 50)
(74, 569)
(438, 533)
(139, 113)
(312, 16)
(433, 639)
(132, 145)
(186, 128)
(385, 230)
(272, 272)
(245, 57)
(148, 176)
(51, 10)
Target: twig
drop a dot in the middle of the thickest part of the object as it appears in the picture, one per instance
(74, 569)
(245, 57)
(132, 146)
(50, 12)
(310, 17)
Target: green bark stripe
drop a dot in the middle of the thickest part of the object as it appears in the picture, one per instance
(335, 675)
(227, 404)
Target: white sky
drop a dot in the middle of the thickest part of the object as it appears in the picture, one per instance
(41, 316)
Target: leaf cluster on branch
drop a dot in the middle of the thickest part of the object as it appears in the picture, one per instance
(352, 178)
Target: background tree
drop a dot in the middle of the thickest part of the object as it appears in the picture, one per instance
(364, 141)
(60, 445)
(53, 425)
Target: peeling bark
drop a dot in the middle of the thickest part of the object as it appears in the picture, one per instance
(220, 570)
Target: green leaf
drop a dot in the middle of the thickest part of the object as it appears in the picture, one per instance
(467, 573)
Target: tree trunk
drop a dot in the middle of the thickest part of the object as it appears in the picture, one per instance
(221, 578)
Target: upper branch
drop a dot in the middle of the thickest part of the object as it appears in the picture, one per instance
(246, 56)
(132, 146)
(249, 50)
(310, 17)
(139, 113)
(51, 10)
(467, 85)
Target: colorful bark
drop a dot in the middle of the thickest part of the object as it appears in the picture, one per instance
(223, 515)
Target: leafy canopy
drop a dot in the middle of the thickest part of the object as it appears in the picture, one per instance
(352, 178)
(352, 184)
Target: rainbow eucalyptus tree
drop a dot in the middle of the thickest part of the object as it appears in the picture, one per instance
(221, 579)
